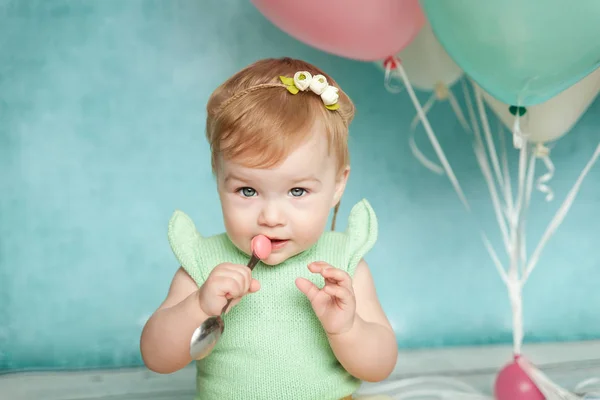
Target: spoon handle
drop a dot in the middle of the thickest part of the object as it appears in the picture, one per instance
(253, 261)
(225, 307)
(251, 264)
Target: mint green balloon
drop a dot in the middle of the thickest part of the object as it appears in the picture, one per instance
(522, 52)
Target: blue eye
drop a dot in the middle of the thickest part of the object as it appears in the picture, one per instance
(298, 192)
(247, 192)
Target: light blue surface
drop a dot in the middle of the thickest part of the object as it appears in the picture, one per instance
(102, 137)
(521, 52)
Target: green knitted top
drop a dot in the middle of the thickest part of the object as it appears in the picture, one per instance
(273, 347)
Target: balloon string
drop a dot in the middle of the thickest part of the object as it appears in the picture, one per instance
(446, 165)
(518, 136)
(511, 235)
(516, 304)
(432, 387)
(560, 215)
(516, 220)
(488, 136)
(518, 254)
(518, 215)
(587, 384)
(485, 169)
(445, 388)
(458, 111)
(388, 81)
(508, 195)
(549, 389)
(433, 167)
(426, 108)
(484, 165)
(431, 135)
(522, 235)
(543, 153)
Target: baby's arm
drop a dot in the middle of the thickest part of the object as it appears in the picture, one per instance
(369, 350)
(165, 340)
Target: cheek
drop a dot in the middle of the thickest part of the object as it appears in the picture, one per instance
(308, 226)
(235, 220)
(233, 224)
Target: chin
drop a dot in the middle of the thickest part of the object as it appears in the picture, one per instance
(275, 259)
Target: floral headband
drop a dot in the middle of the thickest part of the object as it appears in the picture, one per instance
(303, 80)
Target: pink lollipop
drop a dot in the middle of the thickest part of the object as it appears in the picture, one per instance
(261, 247)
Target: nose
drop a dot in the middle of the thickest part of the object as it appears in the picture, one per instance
(271, 215)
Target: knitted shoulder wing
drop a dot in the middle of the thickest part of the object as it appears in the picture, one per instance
(186, 244)
(361, 233)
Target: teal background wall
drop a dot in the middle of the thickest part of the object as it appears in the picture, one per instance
(102, 137)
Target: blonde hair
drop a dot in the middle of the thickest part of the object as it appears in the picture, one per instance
(253, 119)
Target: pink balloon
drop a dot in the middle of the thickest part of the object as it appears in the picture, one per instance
(366, 30)
(512, 383)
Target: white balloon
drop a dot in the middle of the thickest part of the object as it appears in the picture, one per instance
(548, 121)
(426, 62)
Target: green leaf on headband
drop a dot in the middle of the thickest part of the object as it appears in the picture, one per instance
(287, 81)
(292, 89)
(333, 107)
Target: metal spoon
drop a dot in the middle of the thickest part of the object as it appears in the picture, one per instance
(206, 336)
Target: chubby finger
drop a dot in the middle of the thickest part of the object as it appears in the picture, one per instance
(309, 289)
(240, 272)
(243, 283)
(318, 267)
(342, 294)
(338, 276)
(254, 286)
(331, 274)
(230, 287)
(233, 304)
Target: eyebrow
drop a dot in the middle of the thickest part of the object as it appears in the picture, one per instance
(307, 179)
(232, 177)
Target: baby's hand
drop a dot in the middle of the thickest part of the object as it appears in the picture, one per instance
(224, 282)
(334, 304)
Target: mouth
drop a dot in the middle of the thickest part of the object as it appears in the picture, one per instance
(278, 243)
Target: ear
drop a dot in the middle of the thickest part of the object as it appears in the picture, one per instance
(340, 185)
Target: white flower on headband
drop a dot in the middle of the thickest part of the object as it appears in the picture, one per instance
(330, 96)
(318, 84)
(302, 80)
